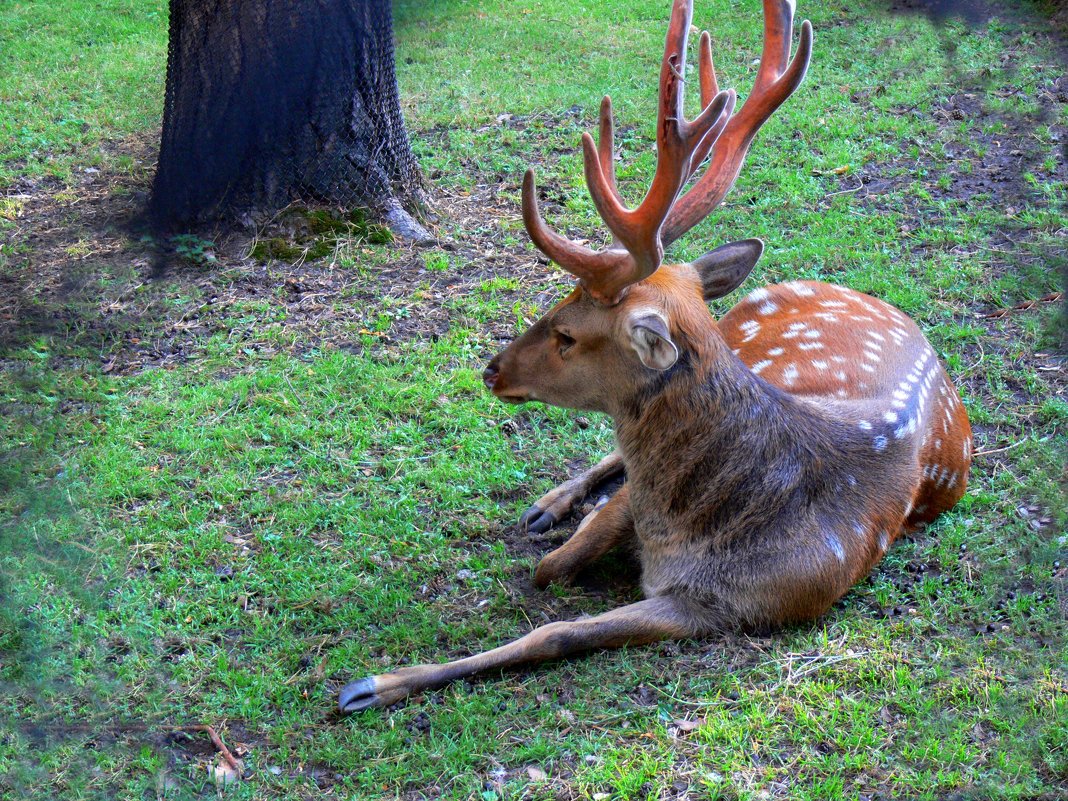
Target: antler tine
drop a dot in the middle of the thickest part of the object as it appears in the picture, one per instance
(777, 78)
(606, 144)
(559, 249)
(706, 70)
(778, 35)
(580, 261)
(710, 138)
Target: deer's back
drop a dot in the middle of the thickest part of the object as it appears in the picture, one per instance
(868, 363)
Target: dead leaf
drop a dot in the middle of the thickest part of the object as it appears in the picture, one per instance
(680, 728)
(834, 171)
(536, 774)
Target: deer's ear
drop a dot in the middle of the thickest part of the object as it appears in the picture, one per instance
(651, 340)
(724, 269)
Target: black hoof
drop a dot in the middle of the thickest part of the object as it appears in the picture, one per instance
(357, 695)
(535, 521)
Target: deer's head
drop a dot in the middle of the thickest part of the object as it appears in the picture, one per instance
(630, 318)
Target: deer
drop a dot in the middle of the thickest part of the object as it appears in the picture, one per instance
(772, 457)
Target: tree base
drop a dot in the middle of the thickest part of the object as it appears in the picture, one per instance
(404, 226)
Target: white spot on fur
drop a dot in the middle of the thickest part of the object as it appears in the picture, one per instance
(776, 352)
(838, 359)
(884, 540)
(813, 334)
(819, 365)
(750, 327)
(865, 425)
(879, 443)
(906, 429)
(840, 375)
(810, 346)
(758, 295)
(832, 304)
(890, 417)
(872, 356)
(756, 368)
(867, 367)
(836, 547)
(789, 374)
(852, 480)
(877, 335)
(767, 308)
(799, 289)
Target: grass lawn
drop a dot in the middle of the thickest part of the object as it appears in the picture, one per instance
(228, 490)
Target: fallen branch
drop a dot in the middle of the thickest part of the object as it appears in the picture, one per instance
(1026, 305)
(231, 760)
(999, 450)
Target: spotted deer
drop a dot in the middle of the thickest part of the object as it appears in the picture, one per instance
(771, 458)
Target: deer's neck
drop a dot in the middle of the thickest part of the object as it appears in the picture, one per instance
(714, 441)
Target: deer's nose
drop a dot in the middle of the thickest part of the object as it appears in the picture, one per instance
(490, 375)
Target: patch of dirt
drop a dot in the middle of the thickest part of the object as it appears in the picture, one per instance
(80, 269)
(993, 165)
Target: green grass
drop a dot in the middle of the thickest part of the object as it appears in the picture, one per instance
(227, 539)
(75, 77)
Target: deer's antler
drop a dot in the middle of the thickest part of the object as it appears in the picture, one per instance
(639, 235)
(636, 250)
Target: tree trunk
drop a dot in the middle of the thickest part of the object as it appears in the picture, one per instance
(269, 101)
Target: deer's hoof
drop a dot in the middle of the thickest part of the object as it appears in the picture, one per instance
(537, 521)
(357, 695)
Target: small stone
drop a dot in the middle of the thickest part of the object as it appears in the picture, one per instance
(464, 575)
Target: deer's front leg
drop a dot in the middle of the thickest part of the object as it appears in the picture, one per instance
(647, 621)
(555, 505)
(600, 531)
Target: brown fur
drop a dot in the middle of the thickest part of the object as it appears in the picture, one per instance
(762, 505)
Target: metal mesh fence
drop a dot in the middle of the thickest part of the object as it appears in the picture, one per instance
(269, 101)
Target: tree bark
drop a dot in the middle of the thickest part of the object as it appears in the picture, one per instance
(268, 101)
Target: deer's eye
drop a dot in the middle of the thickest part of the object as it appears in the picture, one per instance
(564, 341)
